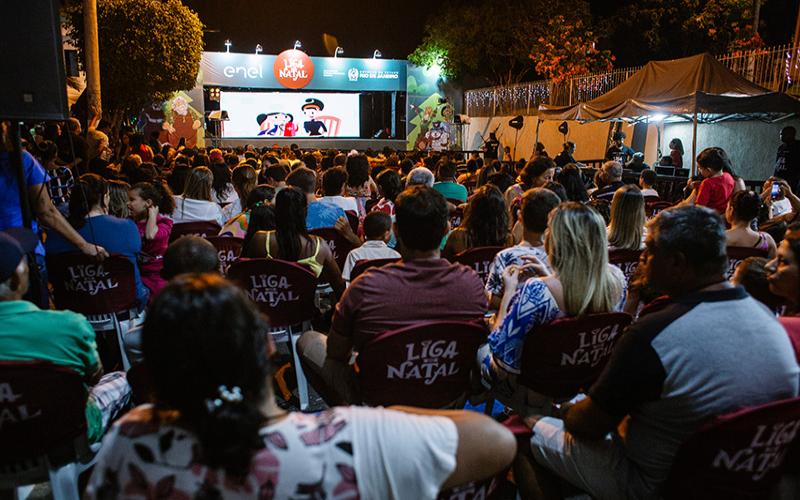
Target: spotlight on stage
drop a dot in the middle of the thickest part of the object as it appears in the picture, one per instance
(339, 51)
(297, 45)
(259, 49)
(377, 54)
(228, 45)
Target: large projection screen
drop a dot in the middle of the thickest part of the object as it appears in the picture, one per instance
(281, 114)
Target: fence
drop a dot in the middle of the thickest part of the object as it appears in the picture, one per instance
(776, 68)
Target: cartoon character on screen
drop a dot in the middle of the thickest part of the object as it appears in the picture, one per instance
(311, 109)
(289, 126)
(266, 124)
(438, 136)
(182, 121)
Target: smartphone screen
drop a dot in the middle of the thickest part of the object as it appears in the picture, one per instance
(776, 190)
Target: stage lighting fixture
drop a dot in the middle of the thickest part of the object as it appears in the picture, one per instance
(377, 54)
(259, 49)
(228, 45)
(658, 117)
(297, 45)
(339, 51)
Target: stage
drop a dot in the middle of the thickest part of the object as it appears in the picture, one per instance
(339, 143)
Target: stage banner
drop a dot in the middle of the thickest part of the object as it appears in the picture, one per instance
(294, 69)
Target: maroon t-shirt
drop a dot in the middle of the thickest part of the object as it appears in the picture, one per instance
(398, 295)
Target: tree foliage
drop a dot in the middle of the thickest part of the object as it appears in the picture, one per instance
(491, 40)
(149, 49)
(568, 49)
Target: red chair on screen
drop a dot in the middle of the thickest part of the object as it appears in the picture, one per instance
(428, 364)
(739, 455)
(364, 264)
(339, 245)
(332, 125)
(228, 250)
(626, 260)
(479, 258)
(285, 292)
(203, 229)
(104, 292)
(737, 254)
(42, 428)
(565, 357)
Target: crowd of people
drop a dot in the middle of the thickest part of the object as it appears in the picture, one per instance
(700, 345)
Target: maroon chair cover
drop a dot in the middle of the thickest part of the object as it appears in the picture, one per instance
(737, 254)
(340, 246)
(284, 291)
(626, 260)
(202, 229)
(455, 217)
(228, 250)
(427, 364)
(478, 258)
(738, 455)
(364, 264)
(352, 218)
(85, 285)
(43, 409)
(651, 208)
(566, 356)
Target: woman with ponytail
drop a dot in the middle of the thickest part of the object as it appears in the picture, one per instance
(88, 214)
(148, 203)
(214, 429)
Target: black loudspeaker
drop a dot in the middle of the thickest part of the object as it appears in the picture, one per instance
(32, 80)
(563, 127)
(516, 122)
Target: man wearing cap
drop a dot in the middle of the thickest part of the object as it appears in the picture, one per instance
(63, 338)
(311, 109)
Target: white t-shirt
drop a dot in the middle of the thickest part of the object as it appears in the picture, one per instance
(780, 207)
(649, 192)
(346, 203)
(230, 195)
(370, 250)
(345, 452)
(232, 210)
(189, 210)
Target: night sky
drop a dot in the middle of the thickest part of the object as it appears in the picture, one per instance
(395, 27)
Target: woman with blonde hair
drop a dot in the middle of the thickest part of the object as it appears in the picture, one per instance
(195, 204)
(581, 282)
(626, 231)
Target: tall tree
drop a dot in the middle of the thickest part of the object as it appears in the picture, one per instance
(149, 49)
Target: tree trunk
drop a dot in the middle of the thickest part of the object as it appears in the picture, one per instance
(92, 62)
(756, 15)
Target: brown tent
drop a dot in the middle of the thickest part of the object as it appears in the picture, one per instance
(697, 85)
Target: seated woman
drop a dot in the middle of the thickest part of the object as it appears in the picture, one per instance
(742, 211)
(88, 214)
(195, 203)
(536, 173)
(626, 231)
(238, 225)
(570, 178)
(291, 242)
(582, 282)
(224, 436)
(485, 224)
(148, 204)
(244, 179)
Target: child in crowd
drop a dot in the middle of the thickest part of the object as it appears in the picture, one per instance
(646, 181)
(147, 202)
(378, 230)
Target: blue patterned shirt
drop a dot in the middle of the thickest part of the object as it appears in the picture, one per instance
(508, 257)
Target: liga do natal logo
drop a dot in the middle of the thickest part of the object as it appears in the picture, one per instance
(293, 69)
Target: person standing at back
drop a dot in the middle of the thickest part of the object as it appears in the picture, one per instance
(787, 161)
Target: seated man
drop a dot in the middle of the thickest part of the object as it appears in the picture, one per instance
(422, 287)
(611, 175)
(447, 184)
(63, 338)
(334, 182)
(710, 349)
(536, 206)
(320, 213)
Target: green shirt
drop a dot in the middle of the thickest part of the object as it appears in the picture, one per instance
(63, 338)
(452, 191)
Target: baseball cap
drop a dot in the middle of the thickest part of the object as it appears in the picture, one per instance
(14, 244)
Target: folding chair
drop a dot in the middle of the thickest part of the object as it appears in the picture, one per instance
(285, 292)
(736, 456)
(43, 428)
(428, 364)
(104, 292)
(478, 258)
(339, 245)
(228, 250)
(203, 229)
(651, 209)
(364, 264)
(737, 254)
(626, 260)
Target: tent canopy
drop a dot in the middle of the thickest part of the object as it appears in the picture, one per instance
(697, 84)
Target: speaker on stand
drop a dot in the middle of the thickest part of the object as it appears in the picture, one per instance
(515, 123)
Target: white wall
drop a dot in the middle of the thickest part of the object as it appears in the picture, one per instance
(751, 144)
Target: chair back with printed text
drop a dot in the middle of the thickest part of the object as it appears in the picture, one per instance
(364, 264)
(87, 286)
(427, 364)
(228, 250)
(626, 260)
(737, 254)
(203, 229)
(339, 245)
(479, 259)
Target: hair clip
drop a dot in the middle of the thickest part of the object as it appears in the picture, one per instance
(234, 395)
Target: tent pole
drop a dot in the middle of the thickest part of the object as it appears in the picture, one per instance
(694, 143)
(538, 122)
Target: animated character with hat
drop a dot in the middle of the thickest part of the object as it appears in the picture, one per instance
(311, 108)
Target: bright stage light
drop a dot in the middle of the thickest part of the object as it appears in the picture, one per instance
(339, 51)
(228, 45)
(658, 117)
(297, 45)
(434, 69)
(259, 49)
(377, 54)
